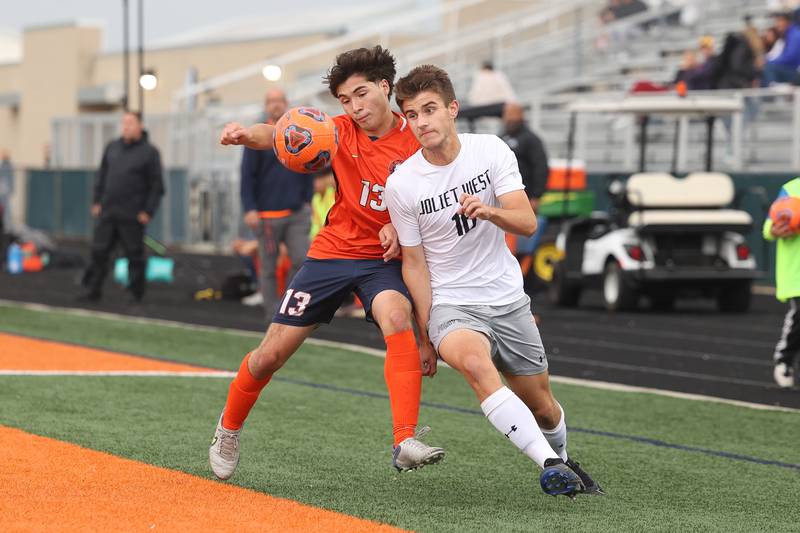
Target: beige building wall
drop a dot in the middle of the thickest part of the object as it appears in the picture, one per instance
(9, 77)
(56, 63)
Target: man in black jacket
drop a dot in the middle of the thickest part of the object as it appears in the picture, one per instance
(533, 166)
(530, 152)
(127, 192)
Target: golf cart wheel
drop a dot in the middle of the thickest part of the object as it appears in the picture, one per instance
(734, 298)
(561, 291)
(618, 294)
(545, 259)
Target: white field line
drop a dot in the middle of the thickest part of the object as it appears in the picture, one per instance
(602, 385)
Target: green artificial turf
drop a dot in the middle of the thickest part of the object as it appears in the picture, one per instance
(320, 434)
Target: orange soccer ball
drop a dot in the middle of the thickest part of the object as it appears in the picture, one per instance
(305, 140)
(786, 210)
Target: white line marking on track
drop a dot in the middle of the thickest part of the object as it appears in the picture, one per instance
(672, 394)
(379, 353)
(627, 332)
(651, 350)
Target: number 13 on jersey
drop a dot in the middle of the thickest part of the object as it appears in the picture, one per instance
(377, 190)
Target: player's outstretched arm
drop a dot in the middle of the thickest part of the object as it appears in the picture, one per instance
(514, 215)
(417, 278)
(257, 136)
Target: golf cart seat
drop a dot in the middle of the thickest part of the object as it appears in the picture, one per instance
(660, 202)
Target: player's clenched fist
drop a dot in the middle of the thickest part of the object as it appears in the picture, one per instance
(235, 133)
(472, 207)
(390, 242)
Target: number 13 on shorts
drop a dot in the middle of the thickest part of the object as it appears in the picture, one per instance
(301, 301)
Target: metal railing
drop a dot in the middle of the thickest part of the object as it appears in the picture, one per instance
(765, 136)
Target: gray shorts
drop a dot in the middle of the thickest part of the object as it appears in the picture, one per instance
(516, 346)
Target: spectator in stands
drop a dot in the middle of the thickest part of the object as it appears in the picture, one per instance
(735, 67)
(6, 189)
(688, 65)
(276, 205)
(784, 67)
(127, 193)
(490, 86)
(773, 44)
(700, 77)
(756, 43)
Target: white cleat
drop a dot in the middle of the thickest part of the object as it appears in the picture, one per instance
(784, 375)
(412, 453)
(254, 299)
(223, 455)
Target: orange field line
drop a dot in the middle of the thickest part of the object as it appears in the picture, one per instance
(49, 485)
(24, 353)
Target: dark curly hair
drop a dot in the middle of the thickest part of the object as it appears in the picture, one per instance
(425, 78)
(375, 64)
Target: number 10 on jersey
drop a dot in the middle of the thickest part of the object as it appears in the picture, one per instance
(463, 223)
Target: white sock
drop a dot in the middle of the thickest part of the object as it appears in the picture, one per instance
(513, 419)
(557, 437)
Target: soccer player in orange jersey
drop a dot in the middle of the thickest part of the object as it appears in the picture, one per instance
(356, 251)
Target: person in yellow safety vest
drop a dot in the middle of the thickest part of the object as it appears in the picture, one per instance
(787, 284)
(321, 202)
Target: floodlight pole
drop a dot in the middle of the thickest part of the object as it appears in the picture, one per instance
(125, 57)
(141, 57)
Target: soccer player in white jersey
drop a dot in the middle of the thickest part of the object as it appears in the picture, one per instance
(451, 204)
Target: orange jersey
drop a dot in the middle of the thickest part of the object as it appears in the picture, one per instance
(361, 167)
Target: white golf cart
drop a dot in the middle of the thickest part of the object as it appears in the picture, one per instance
(664, 236)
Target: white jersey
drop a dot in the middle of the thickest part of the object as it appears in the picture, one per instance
(469, 261)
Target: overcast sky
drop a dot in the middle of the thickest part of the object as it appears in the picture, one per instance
(163, 18)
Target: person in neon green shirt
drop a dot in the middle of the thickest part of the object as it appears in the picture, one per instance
(322, 201)
(787, 284)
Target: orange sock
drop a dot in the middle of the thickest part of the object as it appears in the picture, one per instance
(242, 395)
(403, 374)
